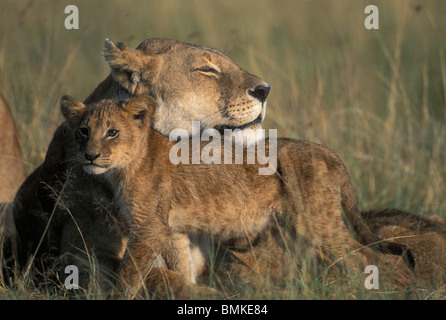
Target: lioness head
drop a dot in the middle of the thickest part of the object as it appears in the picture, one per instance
(108, 133)
(188, 82)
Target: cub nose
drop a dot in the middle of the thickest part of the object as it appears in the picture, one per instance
(91, 157)
(260, 92)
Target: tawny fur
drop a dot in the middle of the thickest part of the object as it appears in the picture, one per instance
(158, 67)
(11, 176)
(188, 82)
(268, 254)
(167, 203)
(175, 74)
(11, 168)
(425, 236)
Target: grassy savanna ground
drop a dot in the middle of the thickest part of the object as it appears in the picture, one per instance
(375, 97)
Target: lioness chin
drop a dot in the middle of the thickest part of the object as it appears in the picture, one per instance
(169, 203)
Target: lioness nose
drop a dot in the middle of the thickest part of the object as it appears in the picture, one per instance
(260, 92)
(91, 157)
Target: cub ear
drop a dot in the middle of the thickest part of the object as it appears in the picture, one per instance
(141, 109)
(127, 66)
(71, 108)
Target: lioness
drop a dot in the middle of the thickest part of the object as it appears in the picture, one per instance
(11, 176)
(161, 68)
(168, 203)
(11, 168)
(189, 83)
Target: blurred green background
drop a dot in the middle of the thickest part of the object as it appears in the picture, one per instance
(376, 97)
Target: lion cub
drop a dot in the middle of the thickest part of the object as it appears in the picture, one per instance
(170, 204)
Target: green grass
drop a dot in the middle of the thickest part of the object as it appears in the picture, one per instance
(375, 97)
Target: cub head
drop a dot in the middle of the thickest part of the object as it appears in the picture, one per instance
(107, 134)
(189, 83)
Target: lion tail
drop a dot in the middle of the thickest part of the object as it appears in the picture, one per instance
(365, 236)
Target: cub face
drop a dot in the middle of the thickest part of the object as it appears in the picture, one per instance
(189, 83)
(108, 133)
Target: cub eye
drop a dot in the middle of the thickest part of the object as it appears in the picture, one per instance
(112, 133)
(208, 70)
(83, 132)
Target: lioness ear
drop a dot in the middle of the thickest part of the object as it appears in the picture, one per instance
(141, 109)
(127, 66)
(71, 108)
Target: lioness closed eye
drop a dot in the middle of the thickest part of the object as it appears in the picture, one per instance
(167, 203)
